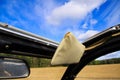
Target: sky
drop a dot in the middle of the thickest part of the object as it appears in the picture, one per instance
(52, 19)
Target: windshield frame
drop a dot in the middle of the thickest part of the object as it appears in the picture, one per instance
(95, 52)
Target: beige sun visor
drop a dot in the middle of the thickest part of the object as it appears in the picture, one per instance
(69, 51)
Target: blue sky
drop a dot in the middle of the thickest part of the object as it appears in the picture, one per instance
(53, 18)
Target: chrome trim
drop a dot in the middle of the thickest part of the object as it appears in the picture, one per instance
(26, 34)
(114, 28)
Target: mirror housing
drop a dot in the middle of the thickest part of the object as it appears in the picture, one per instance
(12, 68)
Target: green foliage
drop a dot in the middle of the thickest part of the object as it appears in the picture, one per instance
(32, 61)
(40, 62)
(107, 61)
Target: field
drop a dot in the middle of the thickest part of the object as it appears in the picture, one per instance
(93, 72)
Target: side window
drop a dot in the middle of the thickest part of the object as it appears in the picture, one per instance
(106, 67)
(110, 56)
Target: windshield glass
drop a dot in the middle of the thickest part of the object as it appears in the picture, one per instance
(36, 27)
(104, 67)
(41, 68)
(110, 56)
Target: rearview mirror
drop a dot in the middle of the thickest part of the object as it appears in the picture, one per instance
(13, 68)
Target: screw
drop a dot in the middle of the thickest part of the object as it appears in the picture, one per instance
(6, 46)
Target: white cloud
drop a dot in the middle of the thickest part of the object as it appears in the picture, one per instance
(93, 21)
(85, 25)
(111, 15)
(84, 35)
(89, 23)
(73, 10)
